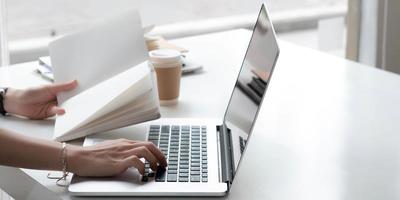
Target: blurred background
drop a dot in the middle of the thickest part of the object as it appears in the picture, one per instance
(31, 24)
(41, 18)
(361, 30)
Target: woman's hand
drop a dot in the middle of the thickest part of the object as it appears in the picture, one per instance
(113, 157)
(37, 102)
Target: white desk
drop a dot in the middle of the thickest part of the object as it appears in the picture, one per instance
(330, 126)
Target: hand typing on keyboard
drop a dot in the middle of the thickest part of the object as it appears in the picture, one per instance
(113, 157)
(186, 149)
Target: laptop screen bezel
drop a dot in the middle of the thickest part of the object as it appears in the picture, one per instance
(263, 8)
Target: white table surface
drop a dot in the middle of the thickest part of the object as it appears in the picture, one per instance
(329, 127)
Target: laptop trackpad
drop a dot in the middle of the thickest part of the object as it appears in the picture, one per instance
(129, 177)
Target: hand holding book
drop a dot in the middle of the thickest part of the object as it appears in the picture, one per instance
(117, 87)
(36, 102)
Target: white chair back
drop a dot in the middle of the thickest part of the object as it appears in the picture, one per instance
(4, 54)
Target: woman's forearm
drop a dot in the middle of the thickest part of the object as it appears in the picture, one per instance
(107, 158)
(26, 152)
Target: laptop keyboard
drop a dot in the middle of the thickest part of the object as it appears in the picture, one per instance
(185, 148)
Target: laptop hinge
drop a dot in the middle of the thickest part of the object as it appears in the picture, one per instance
(227, 170)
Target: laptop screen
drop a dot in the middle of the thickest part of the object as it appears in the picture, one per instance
(251, 84)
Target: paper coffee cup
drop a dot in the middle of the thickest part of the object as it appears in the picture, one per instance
(168, 66)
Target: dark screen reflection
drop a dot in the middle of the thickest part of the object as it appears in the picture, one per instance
(252, 82)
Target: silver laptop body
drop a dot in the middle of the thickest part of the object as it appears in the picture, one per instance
(202, 154)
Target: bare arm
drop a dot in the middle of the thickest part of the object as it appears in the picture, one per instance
(104, 159)
(34, 103)
(26, 152)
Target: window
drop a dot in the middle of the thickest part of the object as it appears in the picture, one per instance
(32, 24)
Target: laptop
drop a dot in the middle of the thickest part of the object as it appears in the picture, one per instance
(203, 154)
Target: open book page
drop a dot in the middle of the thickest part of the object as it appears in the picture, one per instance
(104, 98)
(98, 53)
(142, 109)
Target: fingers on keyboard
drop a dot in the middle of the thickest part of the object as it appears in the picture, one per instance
(185, 147)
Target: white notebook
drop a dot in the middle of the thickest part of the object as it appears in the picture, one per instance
(116, 85)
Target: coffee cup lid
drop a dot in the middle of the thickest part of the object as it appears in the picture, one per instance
(165, 55)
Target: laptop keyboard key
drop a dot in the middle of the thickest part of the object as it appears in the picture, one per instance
(184, 167)
(195, 178)
(184, 162)
(195, 173)
(174, 152)
(184, 154)
(172, 171)
(184, 158)
(195, 149)
(173, 167)
(195, 168)
(171, 178)
(173, 159)
(195, 164)
(173, 162)
(174, 144)
(165, 129)
(153, 137)
(164, 142)
(183, 179)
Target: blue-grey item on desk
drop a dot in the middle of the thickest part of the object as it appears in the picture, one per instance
(45, 70)
(189, 66)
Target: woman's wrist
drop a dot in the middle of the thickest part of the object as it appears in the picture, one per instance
(75, 156)
(11, 100)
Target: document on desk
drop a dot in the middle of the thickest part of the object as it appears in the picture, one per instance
(116, 85)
